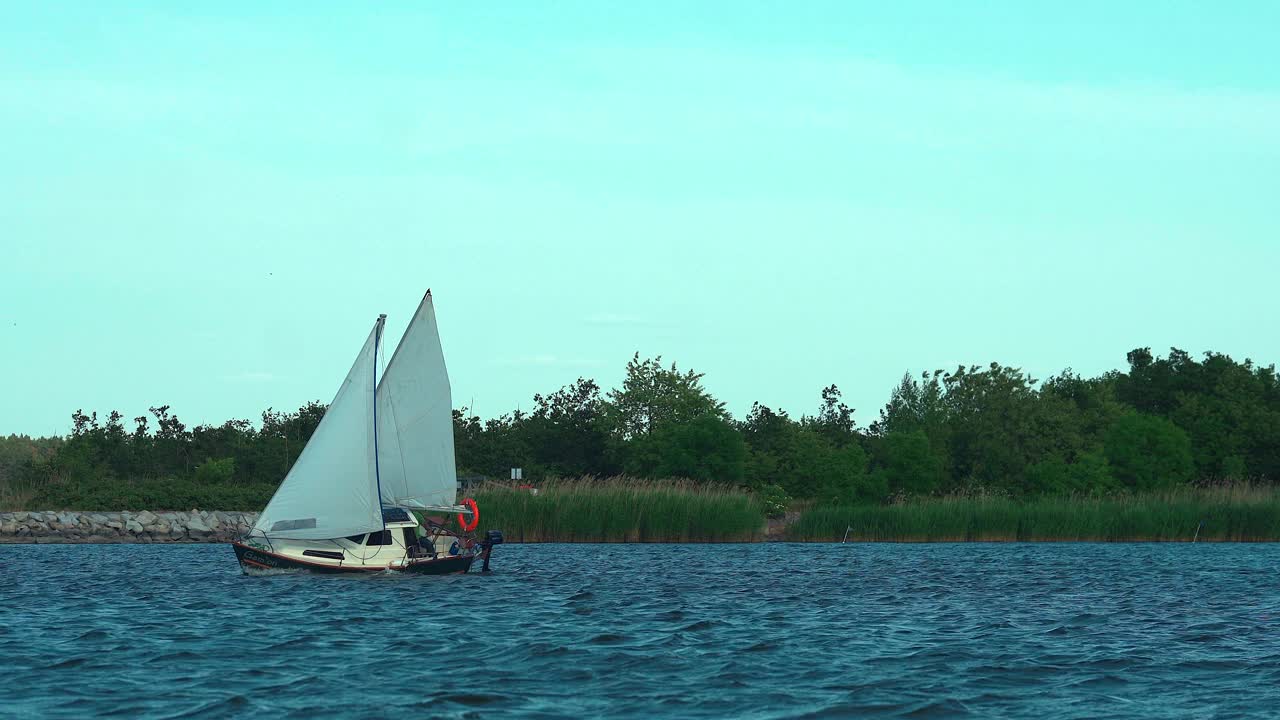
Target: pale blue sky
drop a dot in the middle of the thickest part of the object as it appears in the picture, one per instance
(209, 207)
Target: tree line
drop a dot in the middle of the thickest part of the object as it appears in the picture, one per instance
(1162, 422)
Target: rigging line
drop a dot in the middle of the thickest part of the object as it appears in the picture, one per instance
(363, 547)
(403, 544)
(377, 339)
(404, 468)
(344, 551)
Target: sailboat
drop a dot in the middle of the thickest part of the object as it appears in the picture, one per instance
(375, 486)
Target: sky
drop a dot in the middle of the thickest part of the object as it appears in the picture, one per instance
(208, 205)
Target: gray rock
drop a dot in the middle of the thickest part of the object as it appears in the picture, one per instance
(114, 524)
(20, 516)
(195, 524)
(9, 528)
(145, 518)
(133, 526)
(98, 519)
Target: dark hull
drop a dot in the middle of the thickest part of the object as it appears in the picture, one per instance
(256, 559)
(442, 566)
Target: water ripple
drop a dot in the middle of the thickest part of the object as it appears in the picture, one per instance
(751, 631)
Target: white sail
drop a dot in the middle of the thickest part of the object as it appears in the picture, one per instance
(415, 419)
(332, 490)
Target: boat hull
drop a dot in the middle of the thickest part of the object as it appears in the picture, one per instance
(254, 559)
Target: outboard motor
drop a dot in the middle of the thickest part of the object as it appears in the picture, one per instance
(491, 538)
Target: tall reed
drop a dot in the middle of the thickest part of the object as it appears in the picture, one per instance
(14, 495)
(1229, 513)
(621, 509)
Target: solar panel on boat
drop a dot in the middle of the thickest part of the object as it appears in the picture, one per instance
(394, 515)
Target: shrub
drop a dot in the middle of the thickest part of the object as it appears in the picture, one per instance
(774, 499)
(216, 472)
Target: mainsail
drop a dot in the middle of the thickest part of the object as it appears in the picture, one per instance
(415, 419)
(332, 490)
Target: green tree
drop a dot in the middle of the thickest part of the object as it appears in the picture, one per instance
(493, 446)
(845, 480)
(802, 457)
(910, 465)
(1000, 425)
(1090, 474)
(1148, 453)
(567, 434)
(915, 405)
(834, 419)
(704, 448)
(652, 396)
(767, 434)
(1230, 410)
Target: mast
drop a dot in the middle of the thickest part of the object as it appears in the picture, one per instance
(377, 340)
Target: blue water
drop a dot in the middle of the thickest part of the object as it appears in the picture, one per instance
(777, 630)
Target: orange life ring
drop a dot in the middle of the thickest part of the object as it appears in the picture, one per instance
(475, 516)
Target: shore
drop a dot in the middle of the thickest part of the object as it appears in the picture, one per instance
(195, 526)
(1221, 514)
(616, 512)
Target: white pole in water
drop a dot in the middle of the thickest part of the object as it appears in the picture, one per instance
(1197, 537)
(847, 528)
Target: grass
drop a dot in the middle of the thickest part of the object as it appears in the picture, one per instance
(1229, 513)
(630, 510)
(621, 510)
(15, 497)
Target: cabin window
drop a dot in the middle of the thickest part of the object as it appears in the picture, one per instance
(357, 539)
(410, 537)
(379, 538)
(323, 553)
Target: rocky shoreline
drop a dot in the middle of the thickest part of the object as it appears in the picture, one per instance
(194, 526)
